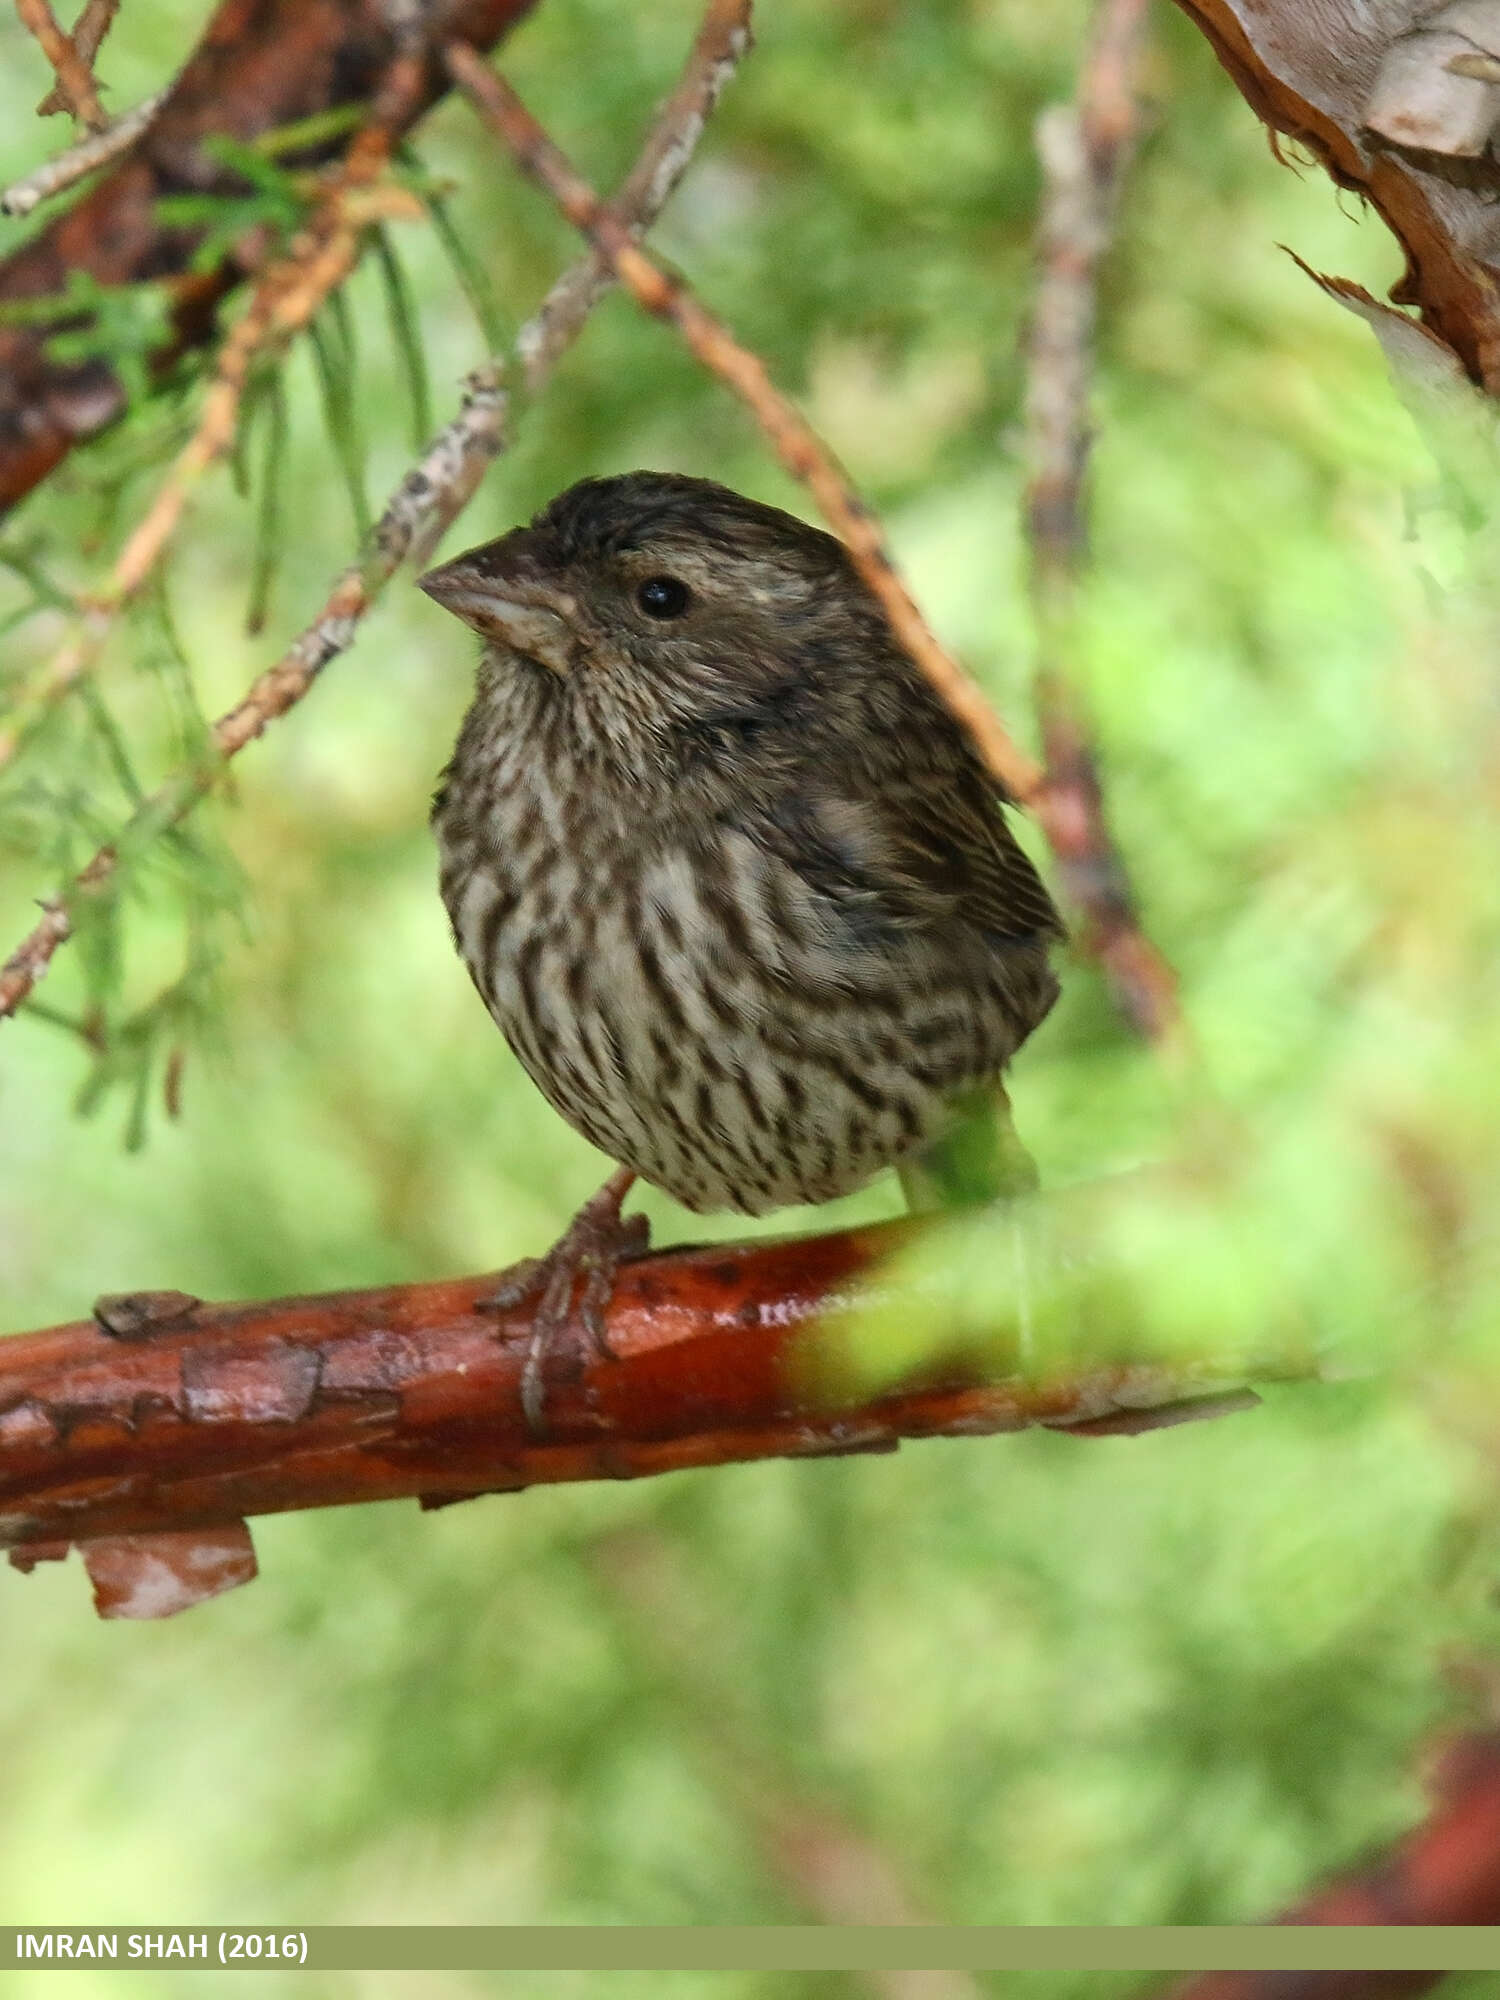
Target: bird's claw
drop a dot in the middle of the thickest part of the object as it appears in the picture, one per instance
(521, 1282)
(593, 1247)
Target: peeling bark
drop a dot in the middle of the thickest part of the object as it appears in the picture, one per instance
(1318, 70)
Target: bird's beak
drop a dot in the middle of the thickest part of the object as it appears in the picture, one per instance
(504, 606)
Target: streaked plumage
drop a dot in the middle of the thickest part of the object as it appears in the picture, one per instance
(729, 877)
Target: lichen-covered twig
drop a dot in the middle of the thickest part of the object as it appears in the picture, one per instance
(75, 85)
(1084, 147)
(66, 169)
(796, 443)
(426, 501)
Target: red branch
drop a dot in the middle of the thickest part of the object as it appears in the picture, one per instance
(1446, 1872)
(188, 1417)
(260, 64)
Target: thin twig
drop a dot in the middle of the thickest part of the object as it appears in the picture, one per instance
(75, 80)
(443, 481)
(64, 171)
(796, 444)
(287, 296)
(722, 43)
(452, 466)
(89, 30)
(1084, 148)
(423, 505)
(259, 67)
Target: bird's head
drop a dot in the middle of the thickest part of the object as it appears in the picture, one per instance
(654, 602)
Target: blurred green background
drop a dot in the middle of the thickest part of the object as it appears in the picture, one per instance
(1030, 1680)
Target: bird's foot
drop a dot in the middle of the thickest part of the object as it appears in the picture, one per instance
(592, 1248)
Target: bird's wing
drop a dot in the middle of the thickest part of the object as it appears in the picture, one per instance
(911, 857)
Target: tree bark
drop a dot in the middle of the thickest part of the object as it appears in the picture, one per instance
(187, 1417)
(1364, 85)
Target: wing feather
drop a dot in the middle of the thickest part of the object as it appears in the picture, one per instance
(906, 860)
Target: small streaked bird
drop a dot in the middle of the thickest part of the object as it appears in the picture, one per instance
(728, 875)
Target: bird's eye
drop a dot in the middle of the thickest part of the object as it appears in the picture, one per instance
(662, 597)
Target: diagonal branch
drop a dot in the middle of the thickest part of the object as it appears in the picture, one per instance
(1446, 1871)
(1084, 149)
(797, 445)
(427, 500)
(89, 30)
(166, 1417)
(722, 43)
(1138, 974)
(75, 85)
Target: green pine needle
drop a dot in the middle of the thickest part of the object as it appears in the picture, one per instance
(406, 333)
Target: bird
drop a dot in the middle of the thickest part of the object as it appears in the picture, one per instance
(731, 879)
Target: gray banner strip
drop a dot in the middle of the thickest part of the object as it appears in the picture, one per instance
(782, 1948)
